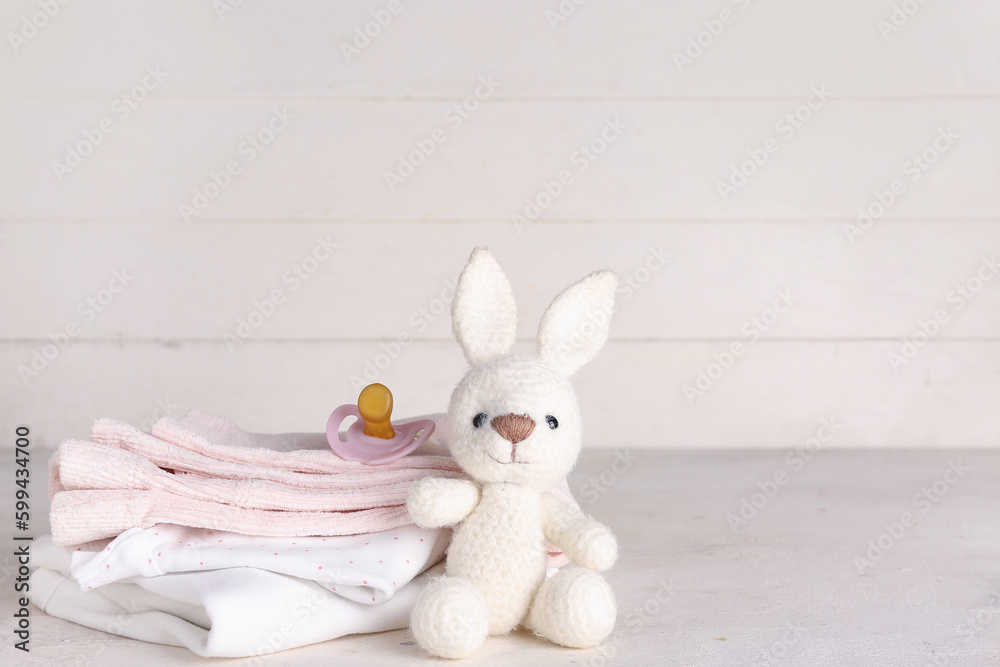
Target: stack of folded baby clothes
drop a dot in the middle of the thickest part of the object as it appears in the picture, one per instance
(231, 543)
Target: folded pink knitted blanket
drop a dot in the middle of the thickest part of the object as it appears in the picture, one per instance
(176, 446)
(89, 465)
(86, 515)
(262, 485)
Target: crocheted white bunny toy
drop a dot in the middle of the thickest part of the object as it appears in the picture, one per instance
(514, 427)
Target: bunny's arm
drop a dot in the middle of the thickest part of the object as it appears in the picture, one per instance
(439, 501)
(587, 542)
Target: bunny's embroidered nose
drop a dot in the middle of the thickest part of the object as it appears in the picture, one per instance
(514, 428)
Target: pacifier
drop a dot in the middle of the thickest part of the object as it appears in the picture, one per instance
(371, 438)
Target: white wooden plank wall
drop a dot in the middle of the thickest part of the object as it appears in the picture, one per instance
(128, 252)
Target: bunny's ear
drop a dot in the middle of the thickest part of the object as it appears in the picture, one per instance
(484, 314)
(574, 328)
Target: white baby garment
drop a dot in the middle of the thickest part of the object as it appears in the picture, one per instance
(365, 568)
(231, 612)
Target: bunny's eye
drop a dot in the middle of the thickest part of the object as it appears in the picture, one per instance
(552, 421)
(479, 419)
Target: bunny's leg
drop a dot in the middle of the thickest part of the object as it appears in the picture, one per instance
(450, 618)
(574, 608)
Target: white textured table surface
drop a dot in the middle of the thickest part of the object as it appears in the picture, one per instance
(785, 588)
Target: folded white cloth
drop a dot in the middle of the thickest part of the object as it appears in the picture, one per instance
(230, 612)
(365, 568)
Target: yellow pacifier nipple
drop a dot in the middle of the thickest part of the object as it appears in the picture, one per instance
(375, 407)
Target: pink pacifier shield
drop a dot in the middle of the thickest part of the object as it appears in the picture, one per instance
(371, 450)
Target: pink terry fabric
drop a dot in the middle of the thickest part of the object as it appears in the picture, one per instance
(175, 446)
(88, 465)
(86, 515)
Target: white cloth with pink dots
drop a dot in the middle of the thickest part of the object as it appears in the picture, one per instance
(365, 568)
